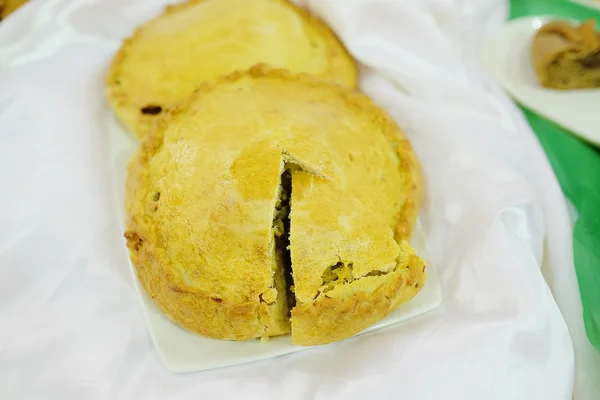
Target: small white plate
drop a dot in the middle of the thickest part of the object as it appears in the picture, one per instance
(505, 55)
(588, 3)
(183, 351)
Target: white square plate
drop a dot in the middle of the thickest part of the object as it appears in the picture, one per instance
(183, 351)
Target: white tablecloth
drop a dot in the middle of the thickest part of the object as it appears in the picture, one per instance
(70, 322)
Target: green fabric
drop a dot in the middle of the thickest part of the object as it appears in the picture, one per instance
(577, 167)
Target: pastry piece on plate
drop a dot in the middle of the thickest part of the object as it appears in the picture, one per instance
(169, 56)
(567, 56)
(209, 215)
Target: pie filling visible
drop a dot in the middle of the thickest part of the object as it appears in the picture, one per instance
(281, 235)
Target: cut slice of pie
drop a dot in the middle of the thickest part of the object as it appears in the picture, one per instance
(348, 272)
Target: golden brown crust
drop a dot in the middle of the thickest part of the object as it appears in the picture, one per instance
(206, 251)
(138, 78)
(207, 314)
(413, 185)
(328, 320)
(567, 56)
(408, 164)
(211, 310)
(348, 270)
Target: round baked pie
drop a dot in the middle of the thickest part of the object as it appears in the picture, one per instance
(169, 56)
(270, 202)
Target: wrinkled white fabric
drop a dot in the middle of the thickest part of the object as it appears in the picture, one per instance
(70, 322)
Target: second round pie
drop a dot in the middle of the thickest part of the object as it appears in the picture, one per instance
(168, 57)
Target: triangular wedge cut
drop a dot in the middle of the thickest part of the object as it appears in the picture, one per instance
(348, 271)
